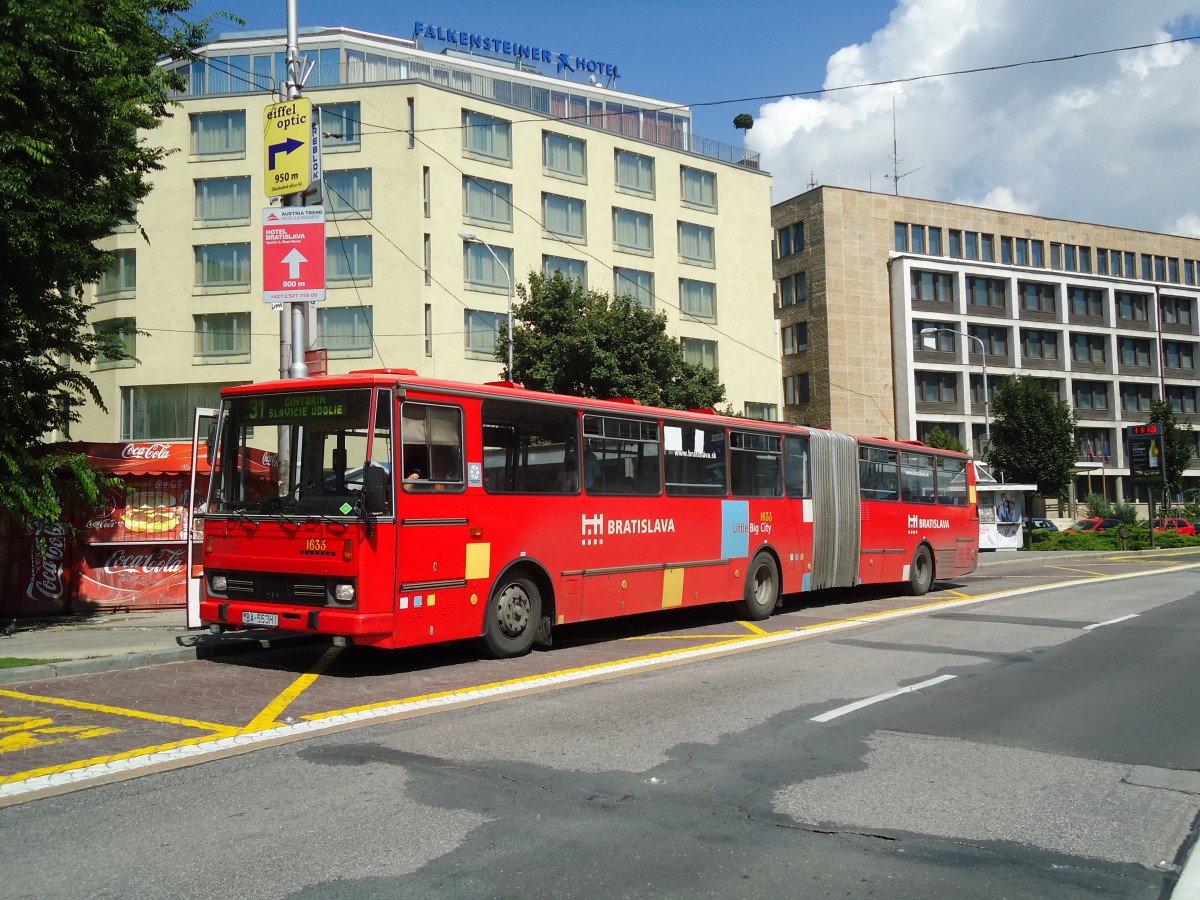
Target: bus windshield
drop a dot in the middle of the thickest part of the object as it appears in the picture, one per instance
(335, 440)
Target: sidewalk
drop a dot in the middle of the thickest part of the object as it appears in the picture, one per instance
(83, 644)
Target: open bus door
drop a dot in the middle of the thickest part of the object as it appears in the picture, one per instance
(206, 420)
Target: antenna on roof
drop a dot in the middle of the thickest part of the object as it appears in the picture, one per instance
(896, 176)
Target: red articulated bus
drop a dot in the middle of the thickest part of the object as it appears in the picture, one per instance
(414, 511)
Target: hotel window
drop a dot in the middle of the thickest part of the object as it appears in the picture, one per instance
(971, 244)
(1189, 271)
(795, 338)
(223, 201)
(796, 389)
(564, 217)
(564, 156)
(1101, 262)
(766, 412)
(790, 239)
(1037, 257)
(1176, 311)
(1160, 268)
(697, 244)
(985, 292)
(1135, 352)
(487, 203)
(700, 353)
(1133, 307)
(165, 411)
(222, 337)
(635, 284)
(486, 137)
(1182, 399)
(1006, 250)
(901, 229)
(995, 384)
(956, 244)
(987, 247)
(341, 126)
(1087, 302)
(347, 331)
(1172, 270)
(1147, 266)
(1089, 348)
(218, 134)
(1037, 344)
(222, 266)
(918, 239)
(1179, 355)
(635, 173)
(482, 271)
(936, 287)
(698, 188)
(116, 334)
(1089, 394)
(427, 261)
(120, 278)
(995, 339)
(348, 260)
(698, 300)
(1128, 259)
(1021, 248)
(348, 193)
(793, 289)
(1037, 296)
(1136, 397)
(425, 190)
(935, 241)
(482, 333)
(937, 387)
(572, 269)
(941, 341)
(1056, 256)
(633, 231)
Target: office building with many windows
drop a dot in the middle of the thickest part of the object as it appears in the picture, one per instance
(419, 146)
(892, 310)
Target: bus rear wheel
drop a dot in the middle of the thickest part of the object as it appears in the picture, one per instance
(761, 594)
(920, 573)
(513, 616)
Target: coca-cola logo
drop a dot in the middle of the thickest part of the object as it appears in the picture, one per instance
(168, 484)
(146, 451)
(163, 560)
(271, 460)
(98, 524)
(47, 554)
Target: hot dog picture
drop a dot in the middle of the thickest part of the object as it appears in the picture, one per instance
(147, 511)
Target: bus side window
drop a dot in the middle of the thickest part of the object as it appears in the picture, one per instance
(797, 469)
(432, 441)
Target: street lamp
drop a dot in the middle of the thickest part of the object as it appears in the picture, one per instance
(987, 418)
(471, 236)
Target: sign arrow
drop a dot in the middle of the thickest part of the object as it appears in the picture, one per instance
(293, 260)
(286, 147)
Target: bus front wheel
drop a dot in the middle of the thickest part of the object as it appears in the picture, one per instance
(761, 594)
(513, 616)
(920, 573)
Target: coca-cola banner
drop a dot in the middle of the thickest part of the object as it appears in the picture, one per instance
(44, 572)
(133, 576)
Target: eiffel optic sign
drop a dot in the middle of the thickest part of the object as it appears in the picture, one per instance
(468, 41)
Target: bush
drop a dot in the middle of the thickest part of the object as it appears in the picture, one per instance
(1138, 538)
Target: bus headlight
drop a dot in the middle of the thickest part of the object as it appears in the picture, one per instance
(343, 593)
(219, 584)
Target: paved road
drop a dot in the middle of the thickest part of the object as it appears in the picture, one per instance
(1039, 756)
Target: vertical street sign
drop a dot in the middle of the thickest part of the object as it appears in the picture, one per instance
(288, 146)
(293, 254)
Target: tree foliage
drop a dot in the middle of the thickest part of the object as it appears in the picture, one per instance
(569, 340)
(743, 121)
(1177, 442)
(942, 439)
(1033, 436)
(79, 88)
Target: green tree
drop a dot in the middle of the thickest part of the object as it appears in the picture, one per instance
(572, 341)
(743, 121)
(1033, 436)
(79, 89)
(1177, 442)
(942, 439)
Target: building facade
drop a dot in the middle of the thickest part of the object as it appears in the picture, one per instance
(893, 311)
(420, 147)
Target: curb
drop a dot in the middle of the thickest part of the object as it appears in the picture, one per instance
(210, 650)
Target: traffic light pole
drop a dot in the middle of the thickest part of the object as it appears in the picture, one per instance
(293, 319)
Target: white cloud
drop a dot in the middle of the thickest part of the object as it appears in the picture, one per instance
(1110, 138)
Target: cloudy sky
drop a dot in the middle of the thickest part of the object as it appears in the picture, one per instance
(1111, 138)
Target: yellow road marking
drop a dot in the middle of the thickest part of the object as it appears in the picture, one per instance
(47, 735)
(958, 593)
(267, 718)
(759, 632)
(1084, 571)
(223, 730)
(111, 758)
(684, 637)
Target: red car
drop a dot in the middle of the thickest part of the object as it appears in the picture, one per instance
(1095, 524)
(1183, 526)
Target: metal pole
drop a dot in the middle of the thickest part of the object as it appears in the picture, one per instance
(296, 311)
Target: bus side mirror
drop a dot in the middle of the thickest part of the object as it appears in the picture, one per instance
(375, 487)
(210, 442)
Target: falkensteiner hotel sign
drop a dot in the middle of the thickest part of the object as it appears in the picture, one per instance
(469, 41)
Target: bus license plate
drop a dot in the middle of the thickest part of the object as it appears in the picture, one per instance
(256, 618)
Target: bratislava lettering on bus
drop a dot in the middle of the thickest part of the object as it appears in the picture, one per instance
(917, 522)
(598, 525)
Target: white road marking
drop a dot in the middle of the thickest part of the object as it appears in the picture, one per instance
(1110, 622)
(878, 698)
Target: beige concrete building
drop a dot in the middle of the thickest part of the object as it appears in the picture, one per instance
(420, 146)
(1105, 316)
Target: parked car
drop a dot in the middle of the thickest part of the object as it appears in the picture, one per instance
(1095, 524)
(1040, 525)
(1183, 526)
